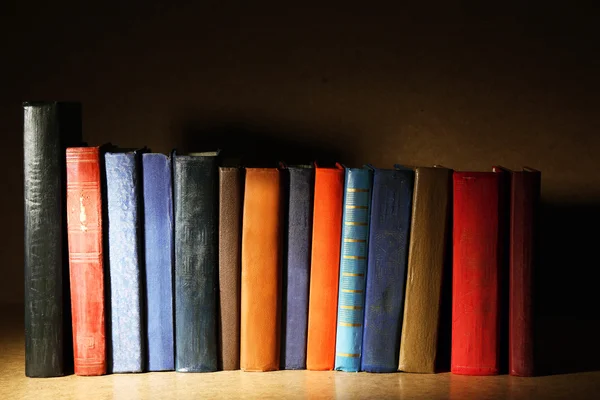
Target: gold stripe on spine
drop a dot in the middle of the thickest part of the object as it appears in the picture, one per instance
(350, 325)
(347, 355)
(355, 223)
(351, 274)
(356, 190)
(355, 258)
(351, 307)
(355, 241)
(358, 207)
(351, 291)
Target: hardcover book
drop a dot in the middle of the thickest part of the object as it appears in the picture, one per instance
(297, 266)
(391, 207)
(48, 128)
(230, 253)
(261, 270)
(430, 228)
(477, 269)
(196, 264)
(158, 245)
(325, 267)
(84, 221)
(525, 197)
(353, 268)
(126, 345)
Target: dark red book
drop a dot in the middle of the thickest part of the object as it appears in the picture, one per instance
(84, 225)
(524, 200)
(478, 254)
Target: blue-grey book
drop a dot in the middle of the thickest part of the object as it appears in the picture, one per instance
(158, 245)
(297, 266)
(125, 341)
(196, 196)
(353, 268)
(391, 208)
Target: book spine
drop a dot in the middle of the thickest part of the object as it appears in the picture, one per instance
(425, 275)
(525, 195)
(261, 271)
(158, 245)
(386, 271)
(324, 269)
(122, 191)
(297, 274)
(84, 221)
(476, 274)
(230, 251)
(196, 264)
(47, 129)
(353, 269)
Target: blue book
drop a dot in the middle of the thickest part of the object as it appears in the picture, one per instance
(296, 277)
(391, 208)
(158, 245)
(125, 344)
(196, 197)
(353, 268)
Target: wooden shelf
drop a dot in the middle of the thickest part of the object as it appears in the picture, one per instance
(280, 384)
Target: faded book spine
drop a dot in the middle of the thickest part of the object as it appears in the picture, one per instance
(126, 345)
(84, 220)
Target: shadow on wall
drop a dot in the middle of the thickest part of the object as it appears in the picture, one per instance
(566, 298)
(259, 146)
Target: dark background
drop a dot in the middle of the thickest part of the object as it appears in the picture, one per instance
(464, 85)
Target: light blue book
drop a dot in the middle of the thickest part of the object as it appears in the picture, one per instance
(353, 268)
(125, 350)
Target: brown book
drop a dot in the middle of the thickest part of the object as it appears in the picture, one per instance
(230, 224)
(426, 257)
(84, 222)
(261, 270)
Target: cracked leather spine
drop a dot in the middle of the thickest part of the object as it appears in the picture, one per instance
(48, 128)
(391, 208)
(86, 259)
(196, 264)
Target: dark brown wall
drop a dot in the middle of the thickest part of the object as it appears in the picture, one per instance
(454, 85)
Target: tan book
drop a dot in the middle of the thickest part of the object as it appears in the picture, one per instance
(426, 258)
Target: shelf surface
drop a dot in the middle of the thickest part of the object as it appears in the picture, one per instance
(280, 384)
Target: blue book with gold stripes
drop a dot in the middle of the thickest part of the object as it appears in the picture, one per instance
(353, 268)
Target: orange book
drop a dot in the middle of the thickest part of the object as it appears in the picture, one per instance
(325, 267)
(261, 271)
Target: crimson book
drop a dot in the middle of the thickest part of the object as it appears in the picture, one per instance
(84, 226)
(478, 258)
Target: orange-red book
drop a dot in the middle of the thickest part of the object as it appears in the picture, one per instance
(84, 225)
(325, 267)
(261, 271)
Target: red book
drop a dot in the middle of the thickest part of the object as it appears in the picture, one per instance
(525, 195)
(477, 272)
(84, 224)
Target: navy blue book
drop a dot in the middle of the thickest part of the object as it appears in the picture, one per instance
(353, 268)
(125, 342)
(158, 245)
(196, 196)
(391, 208)
(297, 274)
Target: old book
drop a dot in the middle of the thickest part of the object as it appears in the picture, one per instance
(195, 180)
(477, 272)
(391, 208)
(48, 128)
(525, 197)
(325, 267)
(230, 254)
(86, 262)
(353, 268)
(296, 275)
(126, 345)
(158, 255)
(261, 270)
(430, 228)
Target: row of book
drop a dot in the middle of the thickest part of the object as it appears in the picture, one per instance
(177, 263)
